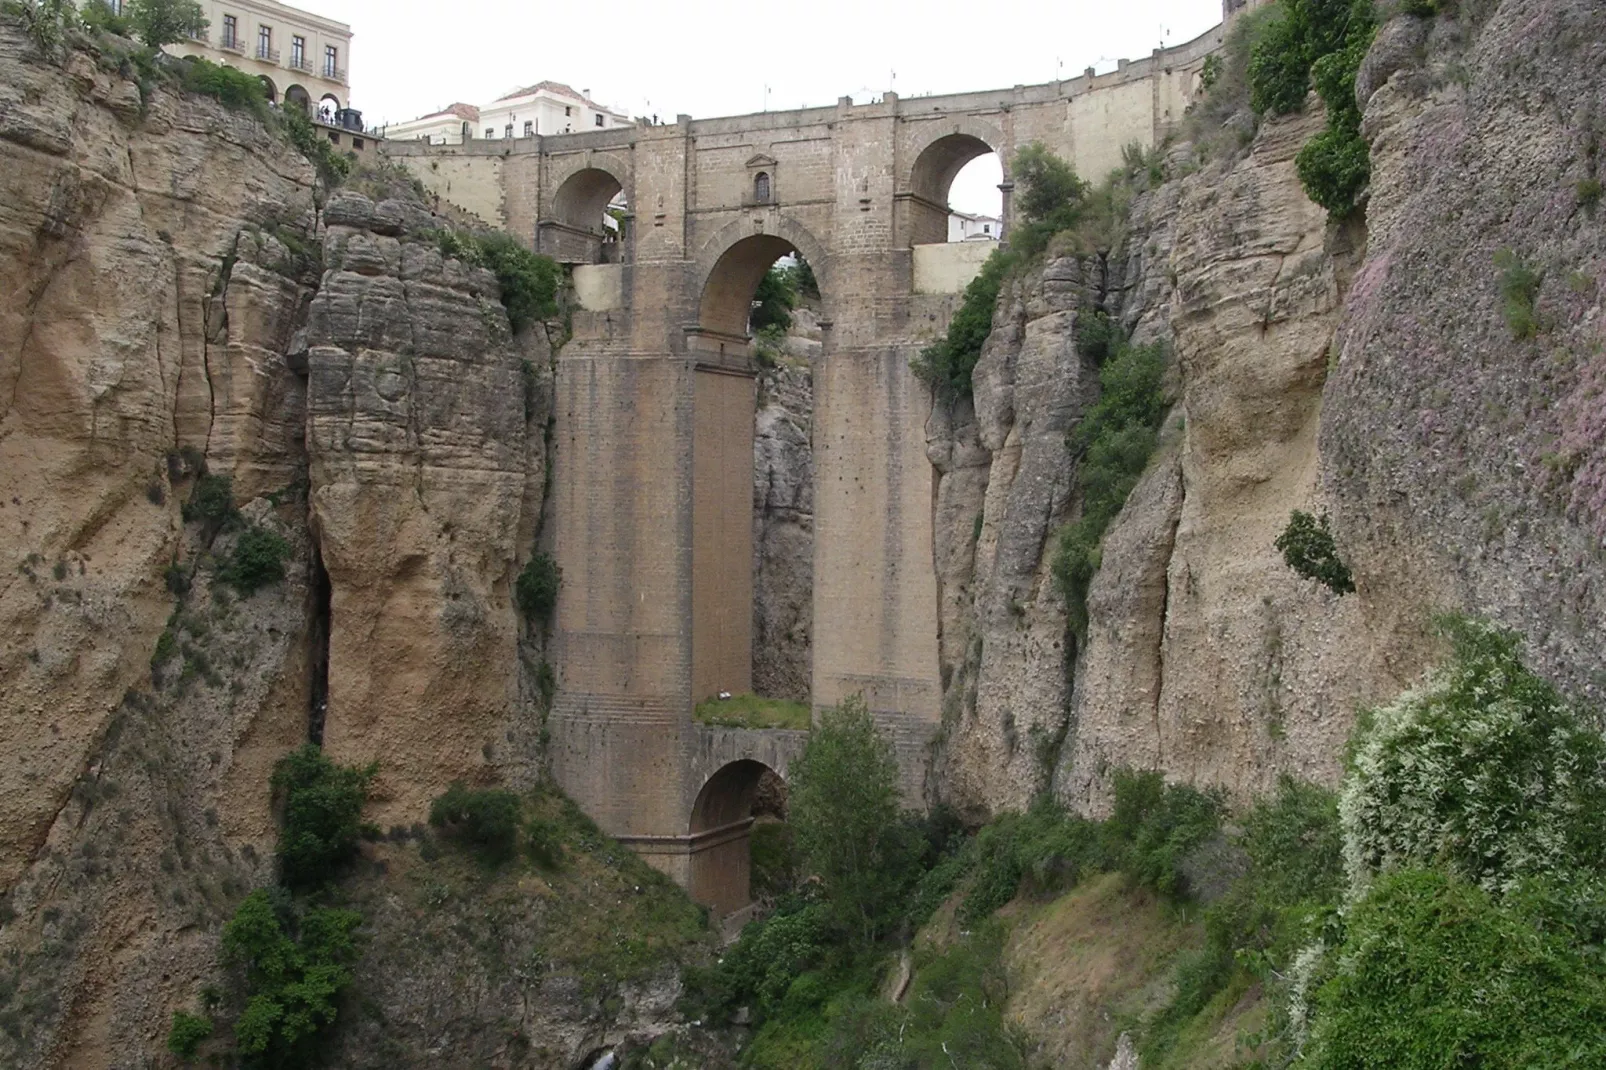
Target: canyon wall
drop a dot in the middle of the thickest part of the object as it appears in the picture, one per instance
(1366, 370)
(182, 305)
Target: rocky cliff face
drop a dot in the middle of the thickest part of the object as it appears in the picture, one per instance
(185, 305)
(783, 525)
(1367, 370)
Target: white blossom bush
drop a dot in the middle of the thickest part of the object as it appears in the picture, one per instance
(1484, 770)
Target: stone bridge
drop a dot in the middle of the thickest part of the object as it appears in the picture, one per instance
(653, 482)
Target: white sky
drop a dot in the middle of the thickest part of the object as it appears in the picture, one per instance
(709, 58)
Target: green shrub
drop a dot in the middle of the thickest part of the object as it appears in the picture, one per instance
(1113, 443)
(211, 505)
(257, 560)
(486, 821)
(1483, 770)
(536, 590)
(1320, 43)
(1434, 972)
(234, 88)
(98, 17)
(321, 804)
(1154, 825)
(312, 144)
(543, 842)
(187, 1032)
(529, 282)
(47, 22)
(946, 365)
(1519, 292)
(759, 969)
(1589, 194)
(1308, 548)
(296, 966)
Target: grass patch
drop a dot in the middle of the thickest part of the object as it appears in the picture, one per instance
(754, 711)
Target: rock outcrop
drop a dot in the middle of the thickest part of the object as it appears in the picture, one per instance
(187, 308)
(783, 526)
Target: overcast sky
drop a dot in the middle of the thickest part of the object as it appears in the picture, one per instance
(708, 58)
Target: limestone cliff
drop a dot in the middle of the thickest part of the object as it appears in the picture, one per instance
(186, 305)
(783, 527)
(1367, 370)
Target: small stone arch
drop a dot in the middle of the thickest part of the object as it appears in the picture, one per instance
(938, 155)
(329, 105)
(270, 89)
(571, 229)
(720, 828)
(297, 94)
(731, 263)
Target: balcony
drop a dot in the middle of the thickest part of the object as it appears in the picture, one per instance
(201, 37)
(232, 44)
(335, 74)
(300, 63)
(267, 55)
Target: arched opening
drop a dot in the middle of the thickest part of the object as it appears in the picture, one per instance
(751, 319)
(721, 826)
(727, 301)
(297, 95)
(588, 215)
(328, 104)
(270, 89)
(975, 203)
(761, 188)
(931, 180)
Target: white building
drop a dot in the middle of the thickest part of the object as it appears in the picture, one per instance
(544, 108)
(301, 58)
(962, 226)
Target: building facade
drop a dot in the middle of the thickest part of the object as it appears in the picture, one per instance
(538, 110)
(300, 57)
(962, 226)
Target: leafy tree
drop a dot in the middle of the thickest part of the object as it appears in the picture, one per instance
(1308, 548)
(296, 967)
(529, 281)
(99, 17)
(165, 22)
(1154, 825)
(773, 301)
(843, 806)
(1049, 198)
(211, 505)
(322, 806)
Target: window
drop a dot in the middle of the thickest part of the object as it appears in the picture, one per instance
(761, 187)
(599, 120)
(229, 25)
(567, 110)
(490, 131)
(298, 51)
(264, 42)
(507, 131)
(116, 6)
(986, 228)
(356, 143)
(334, 137)
(529, 128)
(331, 61)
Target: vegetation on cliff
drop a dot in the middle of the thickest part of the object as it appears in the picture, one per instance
(1319, 43)
(1447, 904)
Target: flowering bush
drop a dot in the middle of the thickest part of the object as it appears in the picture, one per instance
(1484, 770)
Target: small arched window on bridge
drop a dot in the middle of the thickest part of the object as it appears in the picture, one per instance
(761, 187)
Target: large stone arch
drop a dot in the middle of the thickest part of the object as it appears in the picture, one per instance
(570, 228)
(731, 263)
(719, 830)
(935, 157)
